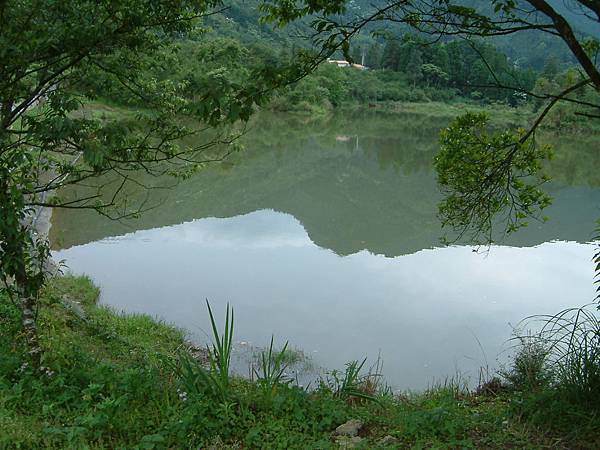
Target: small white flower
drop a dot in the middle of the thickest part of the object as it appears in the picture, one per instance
(182, 395)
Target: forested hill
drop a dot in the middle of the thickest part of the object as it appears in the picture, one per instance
(580, 18)
(241, 21)
(234, 48)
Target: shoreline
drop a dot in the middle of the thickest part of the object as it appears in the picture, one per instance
(41, 223)
(126, 380)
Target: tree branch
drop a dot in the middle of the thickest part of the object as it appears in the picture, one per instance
(566, 33)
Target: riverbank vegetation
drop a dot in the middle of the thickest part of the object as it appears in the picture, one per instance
(236, 52)
(443, 79)
(406, 70)
(114, 380)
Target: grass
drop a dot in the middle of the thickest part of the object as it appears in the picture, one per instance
(502, 114)
(351, 384)
(288, 356)
(556, 374)
(221, 348)
(111, 384)
(106, 109)
(213, 382)
(271, 367)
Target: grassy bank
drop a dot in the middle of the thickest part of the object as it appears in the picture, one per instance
(116, 380)
(560, 122)
(501, 115)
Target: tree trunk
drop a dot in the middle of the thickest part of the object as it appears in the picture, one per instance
(30, 328)
(18, 248)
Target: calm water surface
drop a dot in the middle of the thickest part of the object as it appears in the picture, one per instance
(325, 234)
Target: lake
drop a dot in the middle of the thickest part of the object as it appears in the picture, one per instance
(324, 233)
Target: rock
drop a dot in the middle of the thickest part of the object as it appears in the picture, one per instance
(387, 440)
(74, 307)
(200, 354)
(348, 442)
(350, 428)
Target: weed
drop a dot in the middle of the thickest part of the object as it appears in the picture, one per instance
(111, 388)
(596, 260)
(272, 366)
(455, 386)
(557, 372)
(573, 336)
(221, 348)
(349, 384)
(215, 381)
(530, 368)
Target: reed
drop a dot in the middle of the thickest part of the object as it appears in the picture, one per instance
(220, 354)
(214, 381)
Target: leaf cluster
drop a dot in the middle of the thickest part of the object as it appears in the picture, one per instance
(485, 174)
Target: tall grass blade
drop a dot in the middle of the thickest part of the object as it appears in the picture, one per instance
(213, 382)
(272, 367)
(222, 347)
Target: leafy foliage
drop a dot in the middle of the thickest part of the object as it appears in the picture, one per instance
(73, 52)
(502, 185)
(484, 173)
(466, 66)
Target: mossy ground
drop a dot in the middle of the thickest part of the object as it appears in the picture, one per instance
(112, 386)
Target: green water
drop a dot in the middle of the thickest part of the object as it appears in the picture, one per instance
(355, 181)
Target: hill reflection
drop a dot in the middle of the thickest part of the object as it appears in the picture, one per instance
(354, 181)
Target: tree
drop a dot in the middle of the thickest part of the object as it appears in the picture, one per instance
(414, 69)
(433, 74)
(55, 57)
(551, 67)
(505, 165)
(374, 56)
(391, 56)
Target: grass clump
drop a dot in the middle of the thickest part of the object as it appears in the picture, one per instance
(555, 376)
(129, 381)
(530, 369)
(351, 384)
(272, 366)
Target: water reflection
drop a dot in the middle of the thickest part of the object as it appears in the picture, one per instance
(426, 312)
(355, 182)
